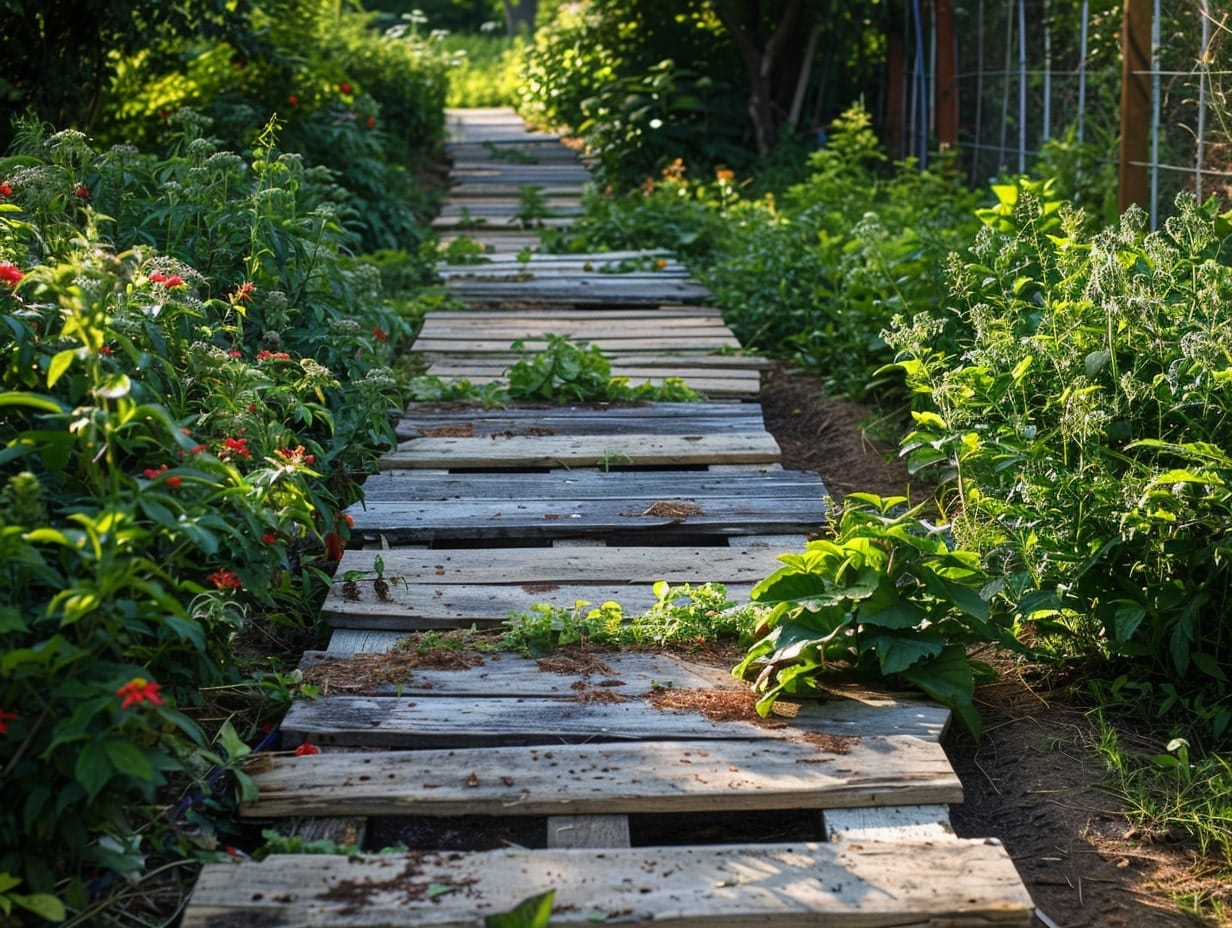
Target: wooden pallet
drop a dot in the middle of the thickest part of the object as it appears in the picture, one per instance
(618, 774)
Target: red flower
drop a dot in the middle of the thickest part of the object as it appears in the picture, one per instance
(307, 748)
(379, 334)
(139, 690)
(243, 293)
(174, 482)
(225, 580)
(270, 538)
(334, 546)
(6, 190)
(170, 281)
(344, 87)
(10, 274)
(293, 100)
(235, 353)
(5, 718)
(237, 446)
(106, 349)
(152, 473)
(82, 192)
(347, 518)
(371, 122)
(295, 455)
(196, 449)
(264, 355)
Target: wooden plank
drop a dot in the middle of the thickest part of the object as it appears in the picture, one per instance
(596, 779)
(714, 385)
(540, 566)
(448, 722)
(588, 831)
(408, 522)
(682, 348)
(408, 607)
(402, 486)
(596, 259)
(683, 362)
(710, 418)
(554, 314)
(890, 823)
(583, 451)
(601, 288)
(511, 674)
(959, 884)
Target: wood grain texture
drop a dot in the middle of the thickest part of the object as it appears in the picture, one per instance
(964, 884)
(565, 831)
(384, 721)
(583, 451)
(655, 777)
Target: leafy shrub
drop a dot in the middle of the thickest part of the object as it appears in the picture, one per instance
(175, 445)
(1084, 416)
(818, 273)
(486, 69)
(885, 597)
(362, 103)
(637, 81)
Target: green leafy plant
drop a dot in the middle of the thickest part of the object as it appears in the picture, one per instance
(681, 616)
(884, 597)
(535, 912)
(1083, 417)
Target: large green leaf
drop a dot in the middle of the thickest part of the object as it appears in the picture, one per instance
(534, 912)
(895, 653)
(948, 679)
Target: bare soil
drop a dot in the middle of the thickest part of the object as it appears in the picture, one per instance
(1035, 780)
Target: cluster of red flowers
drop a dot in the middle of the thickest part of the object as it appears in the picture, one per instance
(152, 473)
(139, 690)
(379, 334)
(225, 580)
(293, 100)
(5, 718)
(82, 192)
(10, 274)
(273, 356)
(345, 87)
(270, 538)
(5, 190)
(236, 446)
(296, 455)
(170, 281)
(243, 293)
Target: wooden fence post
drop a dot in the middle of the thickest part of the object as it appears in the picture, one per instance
(945, 105)
(1135, 105)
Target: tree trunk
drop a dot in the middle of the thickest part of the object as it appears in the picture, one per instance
(520, 16)
(760, 61)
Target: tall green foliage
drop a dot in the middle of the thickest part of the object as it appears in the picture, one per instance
(1084, 416)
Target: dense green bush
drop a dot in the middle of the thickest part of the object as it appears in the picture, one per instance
(641, 83)
(192, 374)
(365, 104)
(817, 273)
(1084, 415)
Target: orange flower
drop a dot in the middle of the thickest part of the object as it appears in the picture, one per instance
(139, 690)
(307, 748)
(225, 580)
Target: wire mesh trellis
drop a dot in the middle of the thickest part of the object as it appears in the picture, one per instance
(1039, 87)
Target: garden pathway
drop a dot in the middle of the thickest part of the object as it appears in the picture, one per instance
(608, 781)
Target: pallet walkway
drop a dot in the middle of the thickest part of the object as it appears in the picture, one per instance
(639, 787)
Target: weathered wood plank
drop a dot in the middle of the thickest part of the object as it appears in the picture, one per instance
(568, 779)
(582, 831)
(660, 516)
(539, 566)
(511, 674)
(403, 486)
(958, 884)
(553, 315)
(431, 722)
(890, 823)
(588, 418)
(600, 288)
(583, 451)
(409, 606)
